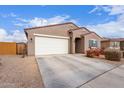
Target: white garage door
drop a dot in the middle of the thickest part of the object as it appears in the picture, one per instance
(46, 44)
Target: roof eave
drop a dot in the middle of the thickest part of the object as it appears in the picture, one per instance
(51, 26)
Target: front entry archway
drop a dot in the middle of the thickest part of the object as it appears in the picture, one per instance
(78, 46)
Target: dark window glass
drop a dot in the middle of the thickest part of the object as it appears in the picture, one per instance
(93, 43)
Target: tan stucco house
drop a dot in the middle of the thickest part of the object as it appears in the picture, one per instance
(60, 39)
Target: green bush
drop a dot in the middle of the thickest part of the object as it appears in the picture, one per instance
(112, 54)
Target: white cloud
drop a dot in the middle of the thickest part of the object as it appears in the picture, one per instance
(36, 21)
(17, 36)
(112, 28)
(94, 9)
(109, 29)
(114, 10)
(12, 14)
(58, 19)
(8, 15)
(3, 34)
(22, 20)
(111, 10)
(19, 24)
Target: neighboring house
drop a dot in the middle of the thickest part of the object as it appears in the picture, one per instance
(60, 39)
(117, 43)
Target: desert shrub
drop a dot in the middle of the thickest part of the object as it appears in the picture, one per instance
(112, 54)
(93, 52)
(102, 51)
(89, 53)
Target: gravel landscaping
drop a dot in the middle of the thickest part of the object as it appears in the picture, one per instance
(19, 72)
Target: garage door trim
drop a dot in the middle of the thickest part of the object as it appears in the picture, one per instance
(51, 36)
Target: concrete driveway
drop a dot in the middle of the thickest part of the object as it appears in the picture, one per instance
(74, 71)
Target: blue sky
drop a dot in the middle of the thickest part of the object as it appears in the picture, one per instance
(106, 21)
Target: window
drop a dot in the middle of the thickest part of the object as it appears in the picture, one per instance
(93, 43)
(115, 44)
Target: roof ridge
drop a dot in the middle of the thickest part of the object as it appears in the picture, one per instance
(91, 33)
(88, 33)
(80, 28)
(50, 25)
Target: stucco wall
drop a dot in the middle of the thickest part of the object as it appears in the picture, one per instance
(59, 30)
(77, 34)
(62, 30)
(89, 37)
(31, 46)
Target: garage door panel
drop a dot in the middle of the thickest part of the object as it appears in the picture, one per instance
(48, 45)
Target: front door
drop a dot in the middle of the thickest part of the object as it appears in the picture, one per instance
(78, 46)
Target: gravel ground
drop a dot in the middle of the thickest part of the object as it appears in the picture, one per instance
(19, 72)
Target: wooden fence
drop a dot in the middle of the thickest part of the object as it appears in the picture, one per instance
(12, 48)
(21, 48)
(7, 48)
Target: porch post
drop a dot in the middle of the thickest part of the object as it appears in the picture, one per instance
(73, 45)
